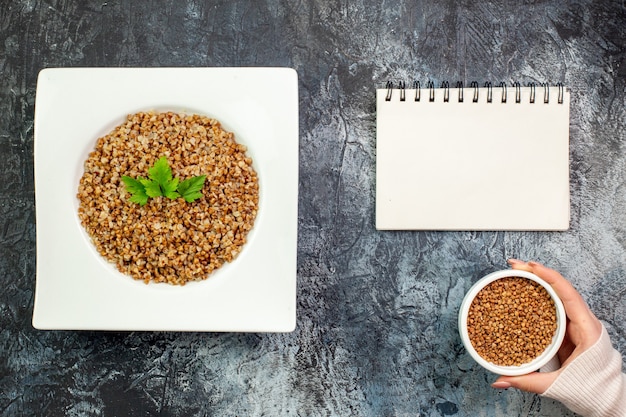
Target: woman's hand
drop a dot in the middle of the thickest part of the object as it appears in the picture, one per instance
(583, 330)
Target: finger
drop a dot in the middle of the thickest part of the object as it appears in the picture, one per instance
(584, 328)
(563, 287)
(575, 307)
(520, 265)
(537, 382)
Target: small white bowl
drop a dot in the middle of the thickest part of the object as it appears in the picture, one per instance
(539, 361)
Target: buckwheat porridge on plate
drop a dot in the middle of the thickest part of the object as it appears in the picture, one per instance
(169, 239)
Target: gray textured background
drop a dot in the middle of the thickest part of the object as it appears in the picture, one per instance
(376, 332)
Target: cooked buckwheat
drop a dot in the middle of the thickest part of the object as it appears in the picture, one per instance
(170, 241)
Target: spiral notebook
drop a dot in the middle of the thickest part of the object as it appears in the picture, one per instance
(474, 158)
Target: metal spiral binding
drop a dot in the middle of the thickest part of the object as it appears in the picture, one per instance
(489, 92)
(446, 91)
(503, 86)
(431, 88)
(546, 93)
(474, 85)
(445, 85)
(389, 88)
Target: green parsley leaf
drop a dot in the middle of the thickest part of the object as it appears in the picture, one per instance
(136, 189)
(161, 171)
(140, 199)
(133, 185)
(161, 183)
(161, 174)
(169, 189)
(190, 188)
(152, 187)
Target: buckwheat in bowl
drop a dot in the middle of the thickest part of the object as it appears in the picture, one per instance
(168, 197)
(512, 322)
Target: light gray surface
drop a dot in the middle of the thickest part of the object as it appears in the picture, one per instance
(376, 332)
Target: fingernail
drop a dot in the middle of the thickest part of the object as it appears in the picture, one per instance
(501, 385)
(514, 261)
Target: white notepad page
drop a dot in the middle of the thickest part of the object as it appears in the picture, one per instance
(473, 165)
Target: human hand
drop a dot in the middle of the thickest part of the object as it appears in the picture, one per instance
(583, 330)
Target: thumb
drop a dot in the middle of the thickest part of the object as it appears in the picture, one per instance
(537, 382)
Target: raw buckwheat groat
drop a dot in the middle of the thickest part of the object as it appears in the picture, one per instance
(511, 321)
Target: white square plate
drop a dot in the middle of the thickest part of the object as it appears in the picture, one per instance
(77, 289)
